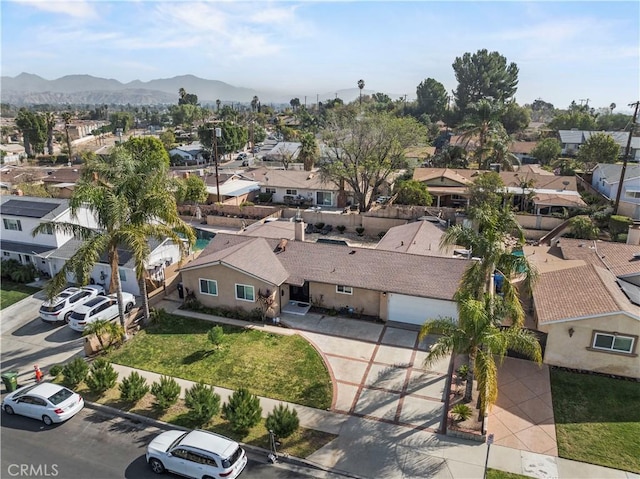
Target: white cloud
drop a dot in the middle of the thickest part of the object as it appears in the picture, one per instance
(77, 8)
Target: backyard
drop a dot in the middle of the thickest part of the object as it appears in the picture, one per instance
(13, 292)
(597, 419)
(269, 365)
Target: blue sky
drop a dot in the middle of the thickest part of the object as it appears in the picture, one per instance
(565, 50)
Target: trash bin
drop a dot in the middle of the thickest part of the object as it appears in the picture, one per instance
(180, 291)
(10, 380)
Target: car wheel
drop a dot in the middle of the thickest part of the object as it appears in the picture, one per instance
(156, 466)
(128, 307)
(47, 420)
(8, 410)
(67, 317)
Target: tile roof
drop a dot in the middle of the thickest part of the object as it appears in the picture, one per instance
(547, 199)
(580, 292)
(63, 175)
(522, 147)
(415, 275)
(271, 229)
(419, 237)
(617, 257)
(299, 179)
(460, 175)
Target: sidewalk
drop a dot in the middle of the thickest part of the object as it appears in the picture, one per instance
(373, 449)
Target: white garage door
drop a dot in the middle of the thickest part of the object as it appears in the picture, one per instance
(414, 310)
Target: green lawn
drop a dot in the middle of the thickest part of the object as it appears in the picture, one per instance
(11, 293)
(496, 474)
(269, 365)
(597, 419)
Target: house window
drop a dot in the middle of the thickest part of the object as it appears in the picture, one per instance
(632, 194)
(613, 342)
(292, 192)
(48, 229)
(344, 289)
(209, 286)
(270, 190)
(244, 292)
(323, 198)
(6, 253)
(123, 274)
(13, 225)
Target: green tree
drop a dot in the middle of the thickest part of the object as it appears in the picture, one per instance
(450, 157)
(484, 75)
(192, 189)
(578, 120)
(66, 118)
(432, 99)
(33, 129)
(484, 126)
(282, 421)
(243, 410)
(121, 120)
(515, 118)
(478, 335)
(102, 328)
(187, 98)
(295, 104)
(366, 149)
(166, 392)
(75, 372)
(133, 387)
(255, 104)
(203, 402)
(308, 150)
(613, 122)
(582, 227)
(102, 376)
(50, 123)
(599, 148)
(547, 151)
(233, 137)
(216, 336)
(412, 192)
(148, 149)
(361, 86)
(168, 139)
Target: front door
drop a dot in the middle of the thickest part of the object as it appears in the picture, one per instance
(299, 293)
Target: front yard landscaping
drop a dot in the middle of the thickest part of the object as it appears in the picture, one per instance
(597, 419)
(13, 292)
(269, 365)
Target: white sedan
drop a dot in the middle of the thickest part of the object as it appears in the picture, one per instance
(50, 403)
(99, 308)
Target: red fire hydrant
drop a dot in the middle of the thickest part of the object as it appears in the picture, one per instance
(38, 373)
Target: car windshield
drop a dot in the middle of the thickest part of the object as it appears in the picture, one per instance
(60, 396)
(77, 316)
(227, 463)
(52, 309)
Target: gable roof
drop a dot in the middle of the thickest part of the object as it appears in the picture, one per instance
(459, 175)
(366, 268)
(522, 147)
(617, 257)
(45, 209)
(611, 172)
(298, 179)
(419, 237)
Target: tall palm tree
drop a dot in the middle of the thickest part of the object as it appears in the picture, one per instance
(484, 124)
(477, 334)
(361, 86)
(254, 103)
(50, 121)
(66, 117)
(308, 150)
(218, 102)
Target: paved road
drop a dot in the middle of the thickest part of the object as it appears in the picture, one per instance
(97, 446)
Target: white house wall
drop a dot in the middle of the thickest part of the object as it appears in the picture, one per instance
(280, 193)
(415, 310)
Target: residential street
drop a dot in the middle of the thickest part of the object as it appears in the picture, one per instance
(100, 447)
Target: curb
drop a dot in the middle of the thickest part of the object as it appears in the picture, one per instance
(296, 461)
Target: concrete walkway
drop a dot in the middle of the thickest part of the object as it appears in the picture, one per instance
(377, 434)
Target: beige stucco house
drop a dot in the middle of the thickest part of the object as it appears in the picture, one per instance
(233, 270)
(591, 311)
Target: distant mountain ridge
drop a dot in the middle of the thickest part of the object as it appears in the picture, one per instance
(29, 89)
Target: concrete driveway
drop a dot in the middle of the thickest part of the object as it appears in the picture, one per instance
(380, 375)
(26, 340)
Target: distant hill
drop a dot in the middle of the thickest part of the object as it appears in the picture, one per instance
(29, 89)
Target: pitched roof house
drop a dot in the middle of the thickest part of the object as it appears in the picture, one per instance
(606, 180)
(591, 311)
(409, 288)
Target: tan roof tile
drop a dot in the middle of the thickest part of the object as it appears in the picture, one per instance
(617, 257)
(419, 237)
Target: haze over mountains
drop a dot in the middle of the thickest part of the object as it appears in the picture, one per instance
(29, 89)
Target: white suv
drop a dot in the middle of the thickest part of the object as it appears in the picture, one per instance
(196, 454)
(100, 307)
(59, 308)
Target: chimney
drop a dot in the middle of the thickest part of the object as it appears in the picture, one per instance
(633, 237)
(298, 228)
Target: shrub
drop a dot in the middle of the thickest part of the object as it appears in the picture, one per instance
(166, 392)
(461, 412)
(619, 224)
(381, 234)
(102, 376)
(341, 228)
(75, 372)
(583, 228)
(463, 371)
(622, 237)
(246, 203)
(282, 421)
(133, 388)
(243, 411)
(55, 370)
(203, 402)
(216, 336)
(360, 230)
(319, 225)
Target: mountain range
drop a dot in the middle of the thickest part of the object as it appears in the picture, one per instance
(29, 89)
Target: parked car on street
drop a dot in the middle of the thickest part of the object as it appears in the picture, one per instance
(196, 454)
(50, 403)
(241, 156)
(59, 308)
(100, 307)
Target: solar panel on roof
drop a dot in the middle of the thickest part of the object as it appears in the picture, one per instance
(27, 209)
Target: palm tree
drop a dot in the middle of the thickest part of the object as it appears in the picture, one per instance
(484, 124)
(477, 334)
(361, 86)
(102, 328)
(254, 103)
(66, 117)
(308, 150)
(50, 121)
(218, 102)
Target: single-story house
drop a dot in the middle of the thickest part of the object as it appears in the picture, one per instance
(606, 180)
(571, 140)
(233, 271)
(193, 153)
(591, 311)
(522, 150)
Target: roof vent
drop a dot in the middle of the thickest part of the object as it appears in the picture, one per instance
(282, 246)
(352, 251)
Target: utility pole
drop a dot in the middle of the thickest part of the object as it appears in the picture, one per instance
(626, 157)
